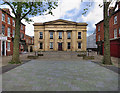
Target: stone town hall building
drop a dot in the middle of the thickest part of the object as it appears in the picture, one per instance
(60, 35)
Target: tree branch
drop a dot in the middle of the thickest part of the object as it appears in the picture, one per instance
(27, 12)
(10, 7)
(115, 6)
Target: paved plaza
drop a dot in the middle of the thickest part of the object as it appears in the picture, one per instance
(60, 75)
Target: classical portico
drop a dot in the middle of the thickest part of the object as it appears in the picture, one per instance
(60, 35)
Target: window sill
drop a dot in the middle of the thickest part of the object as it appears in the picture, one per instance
(115, 24)
(3, 20)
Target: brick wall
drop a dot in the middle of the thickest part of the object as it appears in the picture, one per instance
(112, 26)
(9, 39)
(114, 43)
(101, 32)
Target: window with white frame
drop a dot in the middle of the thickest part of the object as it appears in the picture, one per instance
(8, 32)
(51, 35)
(8, 46)
(13, 33)
(8, 20)
(3, 17)
(60, 35)
(79, 45)
(115, 20)
(79, 35)
(3, 29)
(13, 23)
(68, 35)
(98, 28)
(115, 33)
(51, 45)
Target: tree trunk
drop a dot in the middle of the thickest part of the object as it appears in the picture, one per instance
(15, 57)
(107, 57)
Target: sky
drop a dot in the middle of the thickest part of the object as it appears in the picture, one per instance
(70, 10)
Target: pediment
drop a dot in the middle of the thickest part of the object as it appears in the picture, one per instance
(60, 22)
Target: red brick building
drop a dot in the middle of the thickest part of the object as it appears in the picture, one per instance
(114, 32)
(29, 43)
(7, 32)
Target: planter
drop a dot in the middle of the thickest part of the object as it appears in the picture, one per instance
(40, 54)
(32, 57)
(81, 55)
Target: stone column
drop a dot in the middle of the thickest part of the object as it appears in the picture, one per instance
(55, 40)
(84, 43)
(36, 39)
(65, 41)
(74, 42)
(46, 45)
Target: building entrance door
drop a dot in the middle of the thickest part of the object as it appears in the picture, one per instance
(3, 48)
(59, 46)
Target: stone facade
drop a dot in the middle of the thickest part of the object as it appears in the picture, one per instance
(60, 35)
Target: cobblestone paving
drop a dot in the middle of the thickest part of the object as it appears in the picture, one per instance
(48, 75)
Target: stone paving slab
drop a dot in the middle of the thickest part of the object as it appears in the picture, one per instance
(49, 75)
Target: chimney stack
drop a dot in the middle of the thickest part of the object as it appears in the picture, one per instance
(6, 10)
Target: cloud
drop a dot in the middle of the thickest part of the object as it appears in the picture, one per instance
(70, 10)
(93, 17)
(59, 12)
